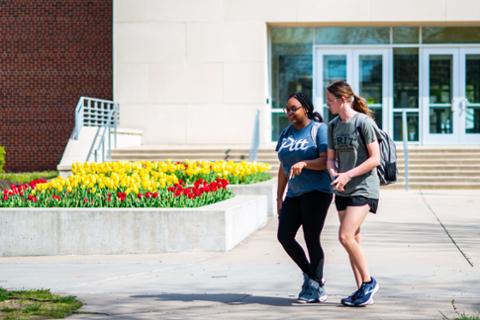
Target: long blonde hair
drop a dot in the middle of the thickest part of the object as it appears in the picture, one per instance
(341, 89)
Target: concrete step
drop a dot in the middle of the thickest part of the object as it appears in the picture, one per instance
(273, 152)
(441, 161)
(180, 152)
(452, 156)
(260, 157)
(429, 167)
(176, 157)
(440, 179)
(441, 152)
(419, 173)
(449, 156)
(193, 150)
(427, 185)
(441, 168)
(441, 149)
(412, 162)
(440, 165)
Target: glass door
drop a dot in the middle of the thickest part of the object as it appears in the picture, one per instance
(469, 100)
(451, 96)
(440, 96)
(365, 69)
(331, 65)
(370, 80)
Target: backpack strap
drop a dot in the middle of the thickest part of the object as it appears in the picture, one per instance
(333, 122)
(282, 135)
(377, 134)
(359, 129)
(314, 132)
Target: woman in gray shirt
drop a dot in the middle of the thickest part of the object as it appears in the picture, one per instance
(352, 157)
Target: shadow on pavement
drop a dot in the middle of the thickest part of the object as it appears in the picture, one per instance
(232, 299)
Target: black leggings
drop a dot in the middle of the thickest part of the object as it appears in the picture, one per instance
(309, 211)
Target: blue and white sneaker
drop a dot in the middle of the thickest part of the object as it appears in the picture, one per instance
(348, 301)
(322, 294)
(366, 293)
(304, 286)
(311, 293)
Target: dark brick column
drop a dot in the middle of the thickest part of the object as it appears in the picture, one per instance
(51, 53)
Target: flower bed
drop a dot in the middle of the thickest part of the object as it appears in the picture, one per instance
(133, 207)
(140, 184)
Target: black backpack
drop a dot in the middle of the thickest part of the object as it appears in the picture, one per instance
(387, 170)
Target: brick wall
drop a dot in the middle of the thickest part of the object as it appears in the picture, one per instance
(51, 53)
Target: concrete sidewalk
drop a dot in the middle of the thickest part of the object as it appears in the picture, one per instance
(420, 246)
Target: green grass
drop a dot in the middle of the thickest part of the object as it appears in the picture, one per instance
(462, 315)
(6, 179)
(35, 304)
(467, 317)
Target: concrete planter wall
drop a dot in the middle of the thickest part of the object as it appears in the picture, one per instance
(266, 188)
(60, 231)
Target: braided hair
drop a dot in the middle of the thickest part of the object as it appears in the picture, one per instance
(307, 105)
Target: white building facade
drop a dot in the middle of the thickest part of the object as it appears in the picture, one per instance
(194, 72)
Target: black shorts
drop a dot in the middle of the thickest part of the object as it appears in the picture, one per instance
(355, 201)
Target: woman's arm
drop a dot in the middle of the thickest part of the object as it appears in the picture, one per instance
(373, 161)
(281, 185)
(317, 164)
(331, 165)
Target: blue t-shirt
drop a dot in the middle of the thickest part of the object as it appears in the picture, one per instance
(297, 145)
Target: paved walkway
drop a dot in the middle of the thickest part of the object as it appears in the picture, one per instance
(421, 247)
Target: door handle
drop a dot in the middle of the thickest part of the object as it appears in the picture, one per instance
(463, 105)
(454, 100)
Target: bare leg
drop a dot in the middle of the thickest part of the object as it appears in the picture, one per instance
(358, 239)
(358, 277)
(353, 218)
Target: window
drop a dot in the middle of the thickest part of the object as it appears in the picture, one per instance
(292, 67)
(292, 71)
(451, 35)
(348, 35)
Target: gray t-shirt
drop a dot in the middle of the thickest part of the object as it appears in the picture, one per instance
(351, 151)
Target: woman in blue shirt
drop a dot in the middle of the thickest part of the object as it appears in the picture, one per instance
(302, 148)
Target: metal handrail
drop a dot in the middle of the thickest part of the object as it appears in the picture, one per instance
(78, 118)
(107, 130)
(100, 113)
(255, 138)
(92, 146)
(405, 149)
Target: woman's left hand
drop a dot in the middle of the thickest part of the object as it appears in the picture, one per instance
(296, 169)
(341, 181)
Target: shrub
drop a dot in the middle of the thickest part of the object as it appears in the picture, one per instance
(2, 158)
